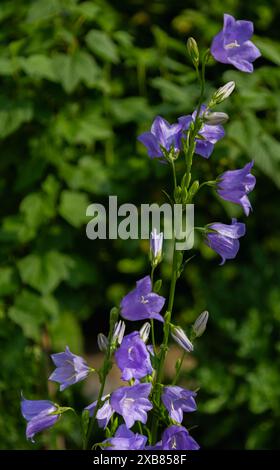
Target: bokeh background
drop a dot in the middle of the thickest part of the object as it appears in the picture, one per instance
(79, 81)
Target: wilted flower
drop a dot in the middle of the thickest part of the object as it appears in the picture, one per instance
(133, 358)
(224, 239)
(104, 413)
(234, 186)
(207, 135)
(141, 303)
(70, 369)
(102, 342)
(145, 332)
(232, 44)
(176, 438)
(125, 439)
(181, 338)
(200, 323)
(162, 135)
(132, 403)
(38, 414)
(178, 400)
(156, 241)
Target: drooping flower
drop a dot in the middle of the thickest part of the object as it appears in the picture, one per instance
(162, 134)
(141, 303)
(133, 358)
(232, 45)
(208, 134)
(234, 186)
(132, 403)
(181, 338)
(70, 369)
(156, 241)
(104, 413)
(224, 239)
(178, 438)
(38, 414)
(125, 439)
(178, 400)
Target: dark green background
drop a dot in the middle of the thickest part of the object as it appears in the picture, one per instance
(79, 82)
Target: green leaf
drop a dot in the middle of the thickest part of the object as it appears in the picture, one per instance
(31, 311)
(37, 209)
(85, 421)
(13, 115)
(89, 175)
(270, 49)
(73, 206)
(66, 330)
(38, 66)
(70, 70)
(44, 272)
(8, 281)
(157, 286)
(102, 45)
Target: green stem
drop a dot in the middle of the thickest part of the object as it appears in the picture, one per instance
(99, 398)
(173, 173)
(107, 365)
(189, 152)
(179, 368)
(152, 321)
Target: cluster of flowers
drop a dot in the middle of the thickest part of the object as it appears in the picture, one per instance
(231, 46)
(124, 414)
(134, 358)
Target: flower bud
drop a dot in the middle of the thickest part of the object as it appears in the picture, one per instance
(212, 119)
(181, 338)
(156, 241)
(222, 93)
(102, 342)
(145, 331)
(118, 333)
(200, 324)
(193, 189)
(193, 51)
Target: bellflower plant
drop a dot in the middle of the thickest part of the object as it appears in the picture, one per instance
(235, 185)
(142, 303)
(39, 414)
(125, 439)
(133, 358)
(208, 135)
(146, 413)
(162, 138)
(70, 369)
(232, 45)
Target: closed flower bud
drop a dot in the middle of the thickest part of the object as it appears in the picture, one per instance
(222, 93)
(193, 51)
(102, 342)
(181, 338)
(212, 119)
(118, 333)
(200, 324)
(156, 241)
(145, 332)
(193, 189)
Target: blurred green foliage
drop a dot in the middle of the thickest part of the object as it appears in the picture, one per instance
(79, 81)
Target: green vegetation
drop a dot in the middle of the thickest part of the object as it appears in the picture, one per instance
(79, 81)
